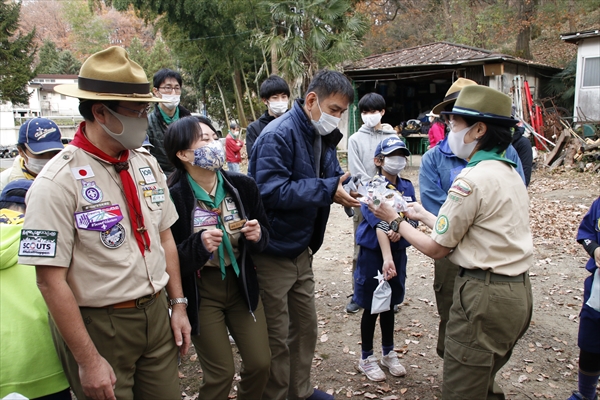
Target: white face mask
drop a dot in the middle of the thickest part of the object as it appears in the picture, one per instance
(394, 164)
(35, 165)
(456, 141)
(371, 120)
(133, 133)
(173, 100)
(326, 124)
(278, 108)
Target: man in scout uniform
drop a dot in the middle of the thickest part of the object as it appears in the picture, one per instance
(98, 232)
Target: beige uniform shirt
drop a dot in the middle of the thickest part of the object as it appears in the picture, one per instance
(70, 204)
(204, 218)
(485, 219)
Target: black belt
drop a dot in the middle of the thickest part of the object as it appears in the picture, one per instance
(483, 275)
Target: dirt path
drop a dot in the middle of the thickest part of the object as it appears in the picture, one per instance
(544, 364)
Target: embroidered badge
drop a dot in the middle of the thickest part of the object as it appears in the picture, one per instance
(100, 219)
(237, 224)
(441, 225)
(158, 195)
(461, 187)
(147, 175)
(84, 172)
(114, 237)
(204, 217)
(38, 243)
(228, 218)
(91, 192)
(229, 204)
(454, 198)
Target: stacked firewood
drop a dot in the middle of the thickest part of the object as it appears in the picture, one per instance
(572, 151)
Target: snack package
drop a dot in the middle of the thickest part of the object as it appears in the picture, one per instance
(377, 192)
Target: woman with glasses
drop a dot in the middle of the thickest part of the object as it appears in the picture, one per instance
(221, 223)
(167, 86)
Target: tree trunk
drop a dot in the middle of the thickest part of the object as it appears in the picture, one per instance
(526, 11)
(274, 60)
(249, 95)
(227, 120)
(237, 87)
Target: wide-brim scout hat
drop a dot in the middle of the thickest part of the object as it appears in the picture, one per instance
(389, 145)
(40, 135)
(110, 75)
(452, 94)
(482, 103)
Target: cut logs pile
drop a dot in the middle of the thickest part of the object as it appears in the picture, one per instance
(574, 152)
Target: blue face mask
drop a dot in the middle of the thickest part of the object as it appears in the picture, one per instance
(210, 157)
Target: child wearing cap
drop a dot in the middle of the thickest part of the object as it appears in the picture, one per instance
(382, 250)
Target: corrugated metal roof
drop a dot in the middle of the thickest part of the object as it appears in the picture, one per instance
(574, 37)
(434, 54)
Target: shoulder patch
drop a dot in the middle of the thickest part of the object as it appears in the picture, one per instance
(441, 224)
(461, 187)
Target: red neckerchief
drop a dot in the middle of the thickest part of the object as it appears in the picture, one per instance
(133, 201)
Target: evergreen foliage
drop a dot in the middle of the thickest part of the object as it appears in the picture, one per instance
(16, 55)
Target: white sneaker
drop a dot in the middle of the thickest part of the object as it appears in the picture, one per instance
(393, 364)
(371, 369)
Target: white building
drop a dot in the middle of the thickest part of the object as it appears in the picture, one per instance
(45, 102)
(587, 81)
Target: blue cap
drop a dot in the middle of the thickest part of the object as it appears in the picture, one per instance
(40, 135)
(389, 145)
(147, 142)
(10, 186)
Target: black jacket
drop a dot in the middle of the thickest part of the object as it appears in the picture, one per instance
(254, 129)
(193, 255)
(156, 133)
(523, 147)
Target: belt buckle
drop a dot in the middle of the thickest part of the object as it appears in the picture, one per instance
(145, 301)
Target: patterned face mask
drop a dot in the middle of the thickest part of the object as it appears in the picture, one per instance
(210, 157)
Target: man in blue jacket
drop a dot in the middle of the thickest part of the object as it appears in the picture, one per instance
(294, 163)
(439, 167)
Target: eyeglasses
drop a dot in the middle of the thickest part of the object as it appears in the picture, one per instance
(140, 113)
(170, 89)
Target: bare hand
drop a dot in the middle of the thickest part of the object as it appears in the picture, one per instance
(98, 379)
(343, 198)
(415, 211)
(384, 212)
(251, 230)
(394, 236)
(389, 269)
(181, 328)
(597, 256)
(212, 239)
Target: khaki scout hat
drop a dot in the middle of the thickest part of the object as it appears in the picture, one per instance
(482, 103)
(110, 75)
(452, 94)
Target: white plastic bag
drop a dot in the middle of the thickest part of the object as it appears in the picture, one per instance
(594, 300)
(382, 296)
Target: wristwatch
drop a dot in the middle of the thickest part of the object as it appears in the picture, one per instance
(179, 300)
(395, 224)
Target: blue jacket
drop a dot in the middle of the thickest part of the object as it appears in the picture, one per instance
(297, 201)
(590, 229)
(439, 168)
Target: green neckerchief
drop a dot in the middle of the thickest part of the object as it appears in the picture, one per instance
(214, 205)
(483, 155)
(168, 119)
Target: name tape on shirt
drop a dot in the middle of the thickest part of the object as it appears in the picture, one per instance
(38, 243)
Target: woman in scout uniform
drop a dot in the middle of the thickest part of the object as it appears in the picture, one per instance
(215, 236)
(382, 251)
(484, 227)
